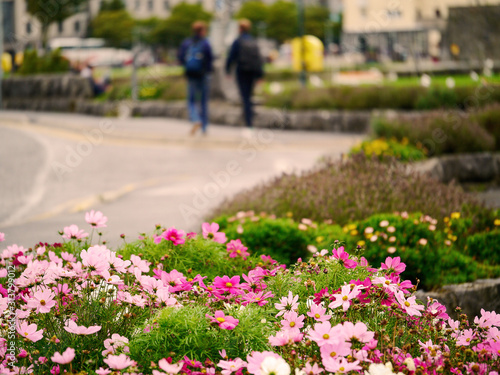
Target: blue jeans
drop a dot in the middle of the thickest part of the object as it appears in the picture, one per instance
(246, 83)
(198, 91)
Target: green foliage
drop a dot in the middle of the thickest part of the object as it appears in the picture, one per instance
(373, 97)
(197, 256)
(316, 18)
(383, 148)
(51, 62)
(112, 5)
(354, 190)
(489, 119)
(439, 133)
(186, 331)
(255, 11)
(115, 26)
(485, 246)
(177, 27)
(47, 14)
(278, 238)
(282, 21)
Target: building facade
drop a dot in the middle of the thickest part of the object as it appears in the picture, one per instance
(399, 28)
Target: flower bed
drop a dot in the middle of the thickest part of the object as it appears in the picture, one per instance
(82, 308)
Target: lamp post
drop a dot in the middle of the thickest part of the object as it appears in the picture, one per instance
(300, 9)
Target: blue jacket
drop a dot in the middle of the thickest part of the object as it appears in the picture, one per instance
(207, 53)
(232, 58)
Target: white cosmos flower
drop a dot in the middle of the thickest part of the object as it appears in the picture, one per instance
(274, 366)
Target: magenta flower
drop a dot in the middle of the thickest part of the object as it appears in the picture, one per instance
(55, 370)
(172, 234)
(29, 331)
(96, 219)
(119, 362)
(72, 327)
(343, 258)
(393, 265)
(226, 284)
(42, 301)
(210, 231)
(318, 313)
(258, 298)
(64, 358)
(344, 298)
(224, 321)
(235, 248)
(73, 233)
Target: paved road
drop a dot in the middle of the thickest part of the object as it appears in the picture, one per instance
(138, 172)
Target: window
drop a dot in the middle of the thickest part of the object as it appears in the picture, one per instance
(166, 5)
(150, 5)
(60, 27)
(77, 26)
(28, 28)
(438, 13)
(137, 4)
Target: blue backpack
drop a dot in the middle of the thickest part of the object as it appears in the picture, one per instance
(195, 59)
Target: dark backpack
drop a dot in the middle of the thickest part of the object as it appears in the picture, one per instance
(195, 59)
(249, 57)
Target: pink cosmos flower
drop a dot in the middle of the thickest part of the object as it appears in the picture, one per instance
(42, 301)
(356, 332)
(224, 321)
(137, 262)
(228, 367)
(292, 320)
(210, 231)
(258, 298)
(344, 298)
(466, 337)
(72, 327)
(114, 343)
(318, 313)
(65, 358)
(119, 362)
(103, 371)
(73, 233)
(226, 284)
(393, 265)
(255, 360)
(29, 331)
(96, 219)
(2, 237)
(95, 258)
(324, 333)
(176, 236)
(335, 349)
(287, 303)
(312, 370)
(438, 311)
(286, 336)
(340, 365)
(343, 258)
(68, 257)
(235, 248)
(169, 368)
(409, 305)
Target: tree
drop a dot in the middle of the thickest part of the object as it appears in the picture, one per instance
(316, 19)
(177, 27)
(115, 26)
(49, 12)
(112, 5)
(255, 11)
(282, 21)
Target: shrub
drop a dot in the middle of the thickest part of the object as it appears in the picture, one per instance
(51, 62)
(489, 119)
(354, 190)
(485, 246)
(382, 148)
(440, 133)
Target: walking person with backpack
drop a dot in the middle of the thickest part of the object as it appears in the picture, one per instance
(245, 54)
(195, 55)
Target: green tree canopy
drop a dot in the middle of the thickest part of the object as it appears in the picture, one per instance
(115, 26)
(177, 27)
(316, 19)
(282, 21)
(112, 5)
(49, 12)
(255, 11)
